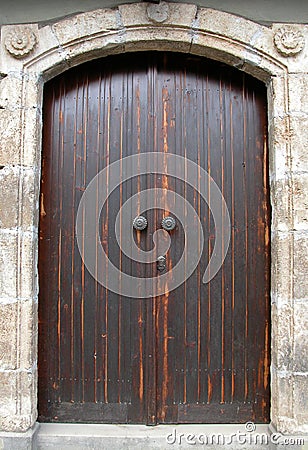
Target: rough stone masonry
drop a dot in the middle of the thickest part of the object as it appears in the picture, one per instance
(30, 54)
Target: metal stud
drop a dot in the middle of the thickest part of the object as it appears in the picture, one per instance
(140, 223)
(168, 223)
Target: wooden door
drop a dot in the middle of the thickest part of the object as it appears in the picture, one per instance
(199, 353)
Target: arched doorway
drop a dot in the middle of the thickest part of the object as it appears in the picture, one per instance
(200, 353)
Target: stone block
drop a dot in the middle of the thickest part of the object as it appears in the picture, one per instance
(179, 15)
(8, 335)
(18, 330)
(19, 46)
(87, 24)
(8, 393)
(300, 356)
(18, 264)
(300, 202)
(12, 125)
(300, 267)
(297, 63)
(235, 27)
(298, 87)
(164, 14)
(290, 203)
(47, 41)
(32, 130)
(281, 279)
(9, 197)
(8, 264)
(30, 196)
(50, 64)
(52, 60)
(282, 337)
(17, 423)
(286, 425)
(18, 400)
(10, 136)
(7, 62)
(97, 47)
(28, 265)
(209, 46)
(279, 148)
(282, 397)
(33, 91)
(301, 400)
(26, 440)
(11, 91)
(277, 97)
(18, 184)
(299, 143)
(25, 392)
(27, 327)
(281, 192)
(158, 39)
(19, 90)
(240, 37)
(235, 53)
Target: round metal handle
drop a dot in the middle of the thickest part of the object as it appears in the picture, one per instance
(140, 223)
(168, 223)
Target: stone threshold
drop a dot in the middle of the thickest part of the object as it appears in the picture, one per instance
(131, 437)
(66, 436)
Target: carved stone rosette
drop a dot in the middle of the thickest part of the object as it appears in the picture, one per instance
(20, 42)
(158, 13)
(289, 41)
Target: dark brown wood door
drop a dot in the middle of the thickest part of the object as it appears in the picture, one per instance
(198, 353)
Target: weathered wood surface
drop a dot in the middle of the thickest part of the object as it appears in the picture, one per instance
(200, 353)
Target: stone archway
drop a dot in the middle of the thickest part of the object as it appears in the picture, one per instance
(30, 55)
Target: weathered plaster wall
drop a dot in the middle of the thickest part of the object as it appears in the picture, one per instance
(30, 54)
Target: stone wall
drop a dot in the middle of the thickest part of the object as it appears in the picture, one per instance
(30, 55)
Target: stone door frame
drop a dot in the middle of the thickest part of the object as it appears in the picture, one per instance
(31, 54)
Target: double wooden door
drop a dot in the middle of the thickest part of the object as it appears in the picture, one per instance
(199, 353)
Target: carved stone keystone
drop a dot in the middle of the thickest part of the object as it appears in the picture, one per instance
(158, 13)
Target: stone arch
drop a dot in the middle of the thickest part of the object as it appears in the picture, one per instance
(30, 55)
